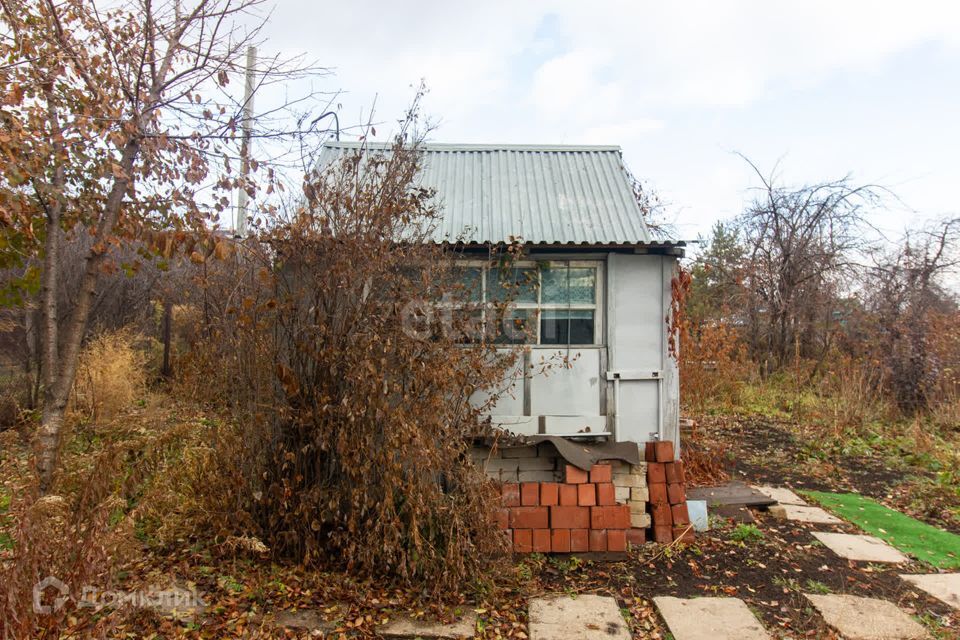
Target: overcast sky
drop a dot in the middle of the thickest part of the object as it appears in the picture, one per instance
(830, 88)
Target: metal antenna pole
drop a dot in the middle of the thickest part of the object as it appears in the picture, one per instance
(240, 227)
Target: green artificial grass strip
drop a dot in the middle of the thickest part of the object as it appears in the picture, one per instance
(919, 539)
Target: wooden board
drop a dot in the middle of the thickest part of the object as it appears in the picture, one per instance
(730, 493)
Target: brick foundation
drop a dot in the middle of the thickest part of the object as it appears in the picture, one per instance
(550, 506)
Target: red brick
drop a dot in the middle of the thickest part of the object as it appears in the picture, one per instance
(650, 452)
(586, 495)
(615, 517)
(529, 518)
(560, 541)
(570, 517)
(502, 517)
(598, 540)
(510, 493)
(658, 493)
(579, 540)
(549, 493)
(674, 471)
(636, 537)
(601, 473)
(680, 514)
(522, 540)
(663, 534)
(664, 450)
(675, 493)
(616, 540)
(606, 494)
(568, 495)
(684, 533)
(656, 473)
(541, 540)
(530, 494)
(574, 475)
(661, 514)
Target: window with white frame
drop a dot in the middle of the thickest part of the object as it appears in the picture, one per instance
(552, 302)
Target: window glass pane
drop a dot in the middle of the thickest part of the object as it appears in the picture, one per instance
(467, 325)
(513, 326)
(515, 284)
(562, 326)
(583, 285)
(467, 284)
(555, 288)
(568, 285)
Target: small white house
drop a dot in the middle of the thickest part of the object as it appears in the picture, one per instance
(601, 286)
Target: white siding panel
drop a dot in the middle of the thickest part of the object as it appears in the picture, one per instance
(566, 392)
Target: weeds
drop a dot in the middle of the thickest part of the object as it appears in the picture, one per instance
(745, 533)
(111, 375)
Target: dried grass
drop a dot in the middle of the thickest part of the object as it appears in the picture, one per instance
(111, 375)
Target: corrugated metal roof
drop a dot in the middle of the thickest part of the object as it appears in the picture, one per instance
(542, 194)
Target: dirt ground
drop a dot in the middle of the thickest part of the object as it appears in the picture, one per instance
(769, 565)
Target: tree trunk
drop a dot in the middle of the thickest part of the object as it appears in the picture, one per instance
(61, 363)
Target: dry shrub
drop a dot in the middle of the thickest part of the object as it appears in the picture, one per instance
(705, 462)
(350, 380)
(712, 365)
(86, 527)
(111, 375)
(851, 395)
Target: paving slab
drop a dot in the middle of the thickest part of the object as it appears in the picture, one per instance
(803, 513)
(857, 618)
(585, 617)
(710, 619)
(465, 627)
(860, 547)
(303, 620)
(942, 586)
(781, 495)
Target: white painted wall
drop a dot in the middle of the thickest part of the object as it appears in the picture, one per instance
(645, 401)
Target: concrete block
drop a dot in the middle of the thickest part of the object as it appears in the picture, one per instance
(629, 480)
(640, 520)
(536, 476)
(519, 452)
(534, 464)
(623, 494)
(637, 507)
(640, 494)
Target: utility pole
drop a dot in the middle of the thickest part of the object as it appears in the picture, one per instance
(240, 226)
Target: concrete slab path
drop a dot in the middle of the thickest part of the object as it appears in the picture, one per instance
(710, 619)
(310, 620)
(857, 618)
(942, 586)
(860, 547)
(804, 513)
(585, 617)
(781, 495)
(465, 627)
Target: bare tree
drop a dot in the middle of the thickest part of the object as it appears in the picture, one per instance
(801, 244)
(905, 291)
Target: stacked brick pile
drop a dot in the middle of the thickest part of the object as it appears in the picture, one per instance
(668, 499)
(579, 514)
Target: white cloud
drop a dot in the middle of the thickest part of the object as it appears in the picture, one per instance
(673, 83)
